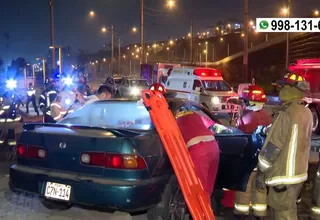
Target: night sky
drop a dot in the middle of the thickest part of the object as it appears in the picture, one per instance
(27, 21)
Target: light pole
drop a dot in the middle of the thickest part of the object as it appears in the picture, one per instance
(228, 50)
(33, 75)
(60, 56)
(286, 11)
(206, 52)
(212, 52)
(53, 55)
(142, 31)
(43, 68)
(245, 42)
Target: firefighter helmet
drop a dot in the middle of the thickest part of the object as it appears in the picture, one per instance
(295, 80)
(254, 93)
(158, 87)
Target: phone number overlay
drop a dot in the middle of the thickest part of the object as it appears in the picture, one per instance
(288, 25)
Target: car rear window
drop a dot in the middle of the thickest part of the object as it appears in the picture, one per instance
(111, 114)
(117, 81)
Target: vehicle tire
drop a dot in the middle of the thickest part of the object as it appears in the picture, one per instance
(161, 211)
(53, 205)
(316, 121)
(166, 210)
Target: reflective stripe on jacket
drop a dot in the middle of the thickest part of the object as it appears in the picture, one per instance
(290, 133)
(198, 139)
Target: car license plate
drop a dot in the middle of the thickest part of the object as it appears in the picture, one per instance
(58, 191)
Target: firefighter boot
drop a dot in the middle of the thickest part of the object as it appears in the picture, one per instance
(240, 217)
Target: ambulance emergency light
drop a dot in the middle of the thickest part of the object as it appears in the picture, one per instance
(11, 84)
(206, 72)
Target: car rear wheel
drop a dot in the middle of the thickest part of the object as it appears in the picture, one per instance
(173, 206)
(55, 205)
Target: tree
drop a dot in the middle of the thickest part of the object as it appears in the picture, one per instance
(17, 66)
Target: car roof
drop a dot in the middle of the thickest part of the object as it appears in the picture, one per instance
(173, 102)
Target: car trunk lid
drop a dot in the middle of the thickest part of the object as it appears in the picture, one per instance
(64, 146)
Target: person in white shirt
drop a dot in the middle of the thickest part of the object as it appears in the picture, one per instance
(104, 93)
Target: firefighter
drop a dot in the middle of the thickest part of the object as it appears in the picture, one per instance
(63, 104)
(31, 94)
(203, 147)
(46, 98)
(68, 100)
(283, 160)
(254, 116)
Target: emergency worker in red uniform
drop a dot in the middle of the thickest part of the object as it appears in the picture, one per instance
(203, 147)
(253, 116)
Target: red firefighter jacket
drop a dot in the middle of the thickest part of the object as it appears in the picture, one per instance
(193, 128)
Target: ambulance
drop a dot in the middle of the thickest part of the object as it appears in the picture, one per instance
(203, 85)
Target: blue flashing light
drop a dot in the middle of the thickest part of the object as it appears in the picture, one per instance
(11, 84)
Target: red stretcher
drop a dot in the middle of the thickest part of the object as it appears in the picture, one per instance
(168, 130)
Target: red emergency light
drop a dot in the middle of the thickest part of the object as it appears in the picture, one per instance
(158, 87)
(207, 72)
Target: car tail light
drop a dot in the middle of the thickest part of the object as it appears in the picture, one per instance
(113, 161)
(31, 151)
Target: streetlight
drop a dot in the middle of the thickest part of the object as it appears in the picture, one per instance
(285, 11)
(171, 42)
(221, 39)
(92, 13)
(104, 59)
(43, 68)
(134, 29)
(53, 47)
(171, 4)
(251, 23)
(103, 29)
(316, 13)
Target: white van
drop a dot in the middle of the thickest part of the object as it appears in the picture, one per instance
(203, 85)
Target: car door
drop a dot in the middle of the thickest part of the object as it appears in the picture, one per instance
(238, 153)
(121, 87)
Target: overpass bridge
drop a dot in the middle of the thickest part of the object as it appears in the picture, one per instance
(267, 59)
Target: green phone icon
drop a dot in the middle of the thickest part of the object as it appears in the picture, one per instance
(263, 24)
